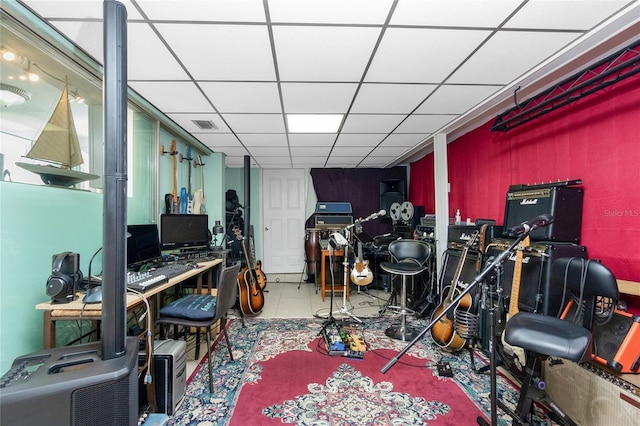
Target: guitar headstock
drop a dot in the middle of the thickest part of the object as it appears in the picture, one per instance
(238, 232)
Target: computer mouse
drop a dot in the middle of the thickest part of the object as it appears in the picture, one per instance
(94, 295)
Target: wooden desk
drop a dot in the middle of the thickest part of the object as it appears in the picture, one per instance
(93, 312)
(327, 288)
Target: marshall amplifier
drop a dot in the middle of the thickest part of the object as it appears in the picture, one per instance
(469, 270)
(564, 203)
(537, 293)
(459, 236)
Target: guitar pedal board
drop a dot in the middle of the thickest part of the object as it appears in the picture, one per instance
(343, 342)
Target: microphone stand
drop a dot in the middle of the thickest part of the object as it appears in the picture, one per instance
(346, 283)
(497, 262)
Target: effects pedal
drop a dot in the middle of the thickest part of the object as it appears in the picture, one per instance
(444, 369)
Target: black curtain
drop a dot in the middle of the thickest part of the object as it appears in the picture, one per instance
(360, 187)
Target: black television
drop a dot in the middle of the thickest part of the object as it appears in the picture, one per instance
(143, 244)
(184, 231)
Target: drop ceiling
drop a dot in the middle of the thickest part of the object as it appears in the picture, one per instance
(399, 71)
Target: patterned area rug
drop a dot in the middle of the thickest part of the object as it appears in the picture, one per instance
(282, 375)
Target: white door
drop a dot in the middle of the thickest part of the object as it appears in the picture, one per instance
(284, 217)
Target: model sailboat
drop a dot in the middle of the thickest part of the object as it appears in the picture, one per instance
(58, 145)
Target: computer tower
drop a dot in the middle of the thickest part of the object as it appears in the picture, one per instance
(169, 374)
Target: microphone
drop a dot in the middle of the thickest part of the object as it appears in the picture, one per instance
(374, 216)
(533, 224)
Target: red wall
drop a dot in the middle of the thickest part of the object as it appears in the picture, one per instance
(596, 139)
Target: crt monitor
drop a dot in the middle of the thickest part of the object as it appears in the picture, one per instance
(143, 244)
(180, 231)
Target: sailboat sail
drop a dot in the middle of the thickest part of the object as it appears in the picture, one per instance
(58, 143)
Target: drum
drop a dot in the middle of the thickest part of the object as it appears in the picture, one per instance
(312, 249)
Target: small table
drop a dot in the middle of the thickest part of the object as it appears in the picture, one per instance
(327, 288)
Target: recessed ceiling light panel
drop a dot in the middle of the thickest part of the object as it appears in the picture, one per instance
(314, 123)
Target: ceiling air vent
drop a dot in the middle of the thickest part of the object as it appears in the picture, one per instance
(205, 124)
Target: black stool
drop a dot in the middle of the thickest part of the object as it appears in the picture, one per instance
(408, 259)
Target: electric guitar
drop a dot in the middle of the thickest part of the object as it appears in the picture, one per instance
(190, 193)
(515, 351)
(361, 274)
(175, 209)
(443, 331)
(199, 198)
(250, 293)
(260, 276)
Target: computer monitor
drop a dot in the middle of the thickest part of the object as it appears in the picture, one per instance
(143, 245)
(180, 231)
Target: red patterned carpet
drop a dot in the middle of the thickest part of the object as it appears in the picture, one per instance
(282, 375)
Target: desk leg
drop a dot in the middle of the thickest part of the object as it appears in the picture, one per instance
(49, 331)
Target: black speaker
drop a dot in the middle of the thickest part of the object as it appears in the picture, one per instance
(564, 203)
(65, 277)
(537, 292)
(467, 273)
(392, 191)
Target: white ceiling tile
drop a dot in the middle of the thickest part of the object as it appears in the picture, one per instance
(312, 139)
(371, 123)
(204, 10)
(508, 55)
(390, 98)
(317, 97)
(173, 96)
(424, 123)
(273, 140)
(255, 123)
(330, 11)
(564, 14)
(404, 139)
(269, 151)
(347, 151)
(145, 48)
(310, 151)
(357, 139)
(388, 151)
(323, 53)
(455, 99)
(239, 97)
(275, 162)
(218, 140)
(376, 161)
(418, 55)
(453, 13)
(343, 162)
(233, 151)
(185, 120)
(222, 52)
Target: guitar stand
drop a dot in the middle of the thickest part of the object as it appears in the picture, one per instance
(499, 260)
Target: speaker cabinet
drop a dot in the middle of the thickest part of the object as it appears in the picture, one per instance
(564, 203)
(617, 342)
(392, 191)
(590, 396)
(467, 273)
(537, 292)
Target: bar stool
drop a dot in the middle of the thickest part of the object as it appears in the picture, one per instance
(408, 258)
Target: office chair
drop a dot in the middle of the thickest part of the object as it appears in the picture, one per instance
(204, 310)
(569, 337)
(408, 258)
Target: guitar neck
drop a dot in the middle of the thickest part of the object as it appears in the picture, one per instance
(517, 278)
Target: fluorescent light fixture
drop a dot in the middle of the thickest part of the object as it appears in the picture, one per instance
(314, 123)
(11, 95)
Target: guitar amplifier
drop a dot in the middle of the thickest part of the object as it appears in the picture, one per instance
(468, 272)
(564, 203)
(333, 208)
(327, 221)
(459, 235)
(590, 395)
(617, 342)
(537, 292)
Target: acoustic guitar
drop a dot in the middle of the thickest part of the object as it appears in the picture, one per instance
(361, 274)
(250, 293)
(443, 331)
(514, 351)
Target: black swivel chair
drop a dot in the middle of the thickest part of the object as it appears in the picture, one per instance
(543, 336)
(408, 258)
(203, 311)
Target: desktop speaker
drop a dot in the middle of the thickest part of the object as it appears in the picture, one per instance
(65, 277)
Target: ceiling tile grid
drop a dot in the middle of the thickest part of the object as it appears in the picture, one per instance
(397, 70)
